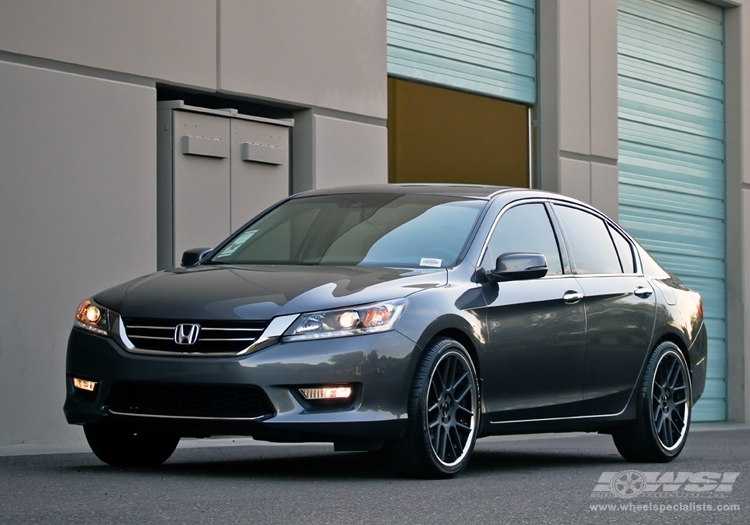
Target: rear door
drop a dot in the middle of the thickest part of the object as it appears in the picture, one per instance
(619, 303)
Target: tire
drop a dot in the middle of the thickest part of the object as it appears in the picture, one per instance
(443, 413)
(122, 448)
(663, 409)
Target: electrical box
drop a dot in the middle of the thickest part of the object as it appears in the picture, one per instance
(216, 170)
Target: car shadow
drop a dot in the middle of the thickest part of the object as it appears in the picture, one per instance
(326, 465)
(494, 461)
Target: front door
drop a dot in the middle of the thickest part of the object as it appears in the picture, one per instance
(536, 328)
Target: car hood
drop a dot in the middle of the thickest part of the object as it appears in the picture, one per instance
(261, 292)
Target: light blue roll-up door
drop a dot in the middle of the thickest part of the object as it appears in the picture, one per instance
(671, 155)
(480, 46)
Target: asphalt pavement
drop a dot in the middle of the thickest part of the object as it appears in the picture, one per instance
(549, 479)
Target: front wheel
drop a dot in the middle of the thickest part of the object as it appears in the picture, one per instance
(443, 413)
(122, 448)
(663, 410)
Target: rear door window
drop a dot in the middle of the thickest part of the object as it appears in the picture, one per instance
(592, 246)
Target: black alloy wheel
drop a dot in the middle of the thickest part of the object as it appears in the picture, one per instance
(663, 409)
(443, 413)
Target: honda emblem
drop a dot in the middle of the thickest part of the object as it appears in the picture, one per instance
(186, 334)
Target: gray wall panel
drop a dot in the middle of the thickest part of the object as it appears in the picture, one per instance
(603, 84)
(78, 209)
(575, 179)
(575, 94)
(737, 27)
(349, 153)
(738, 366)
(603, 180)
(322, 54)
(169, 40)
(578, 100)
(343, 152)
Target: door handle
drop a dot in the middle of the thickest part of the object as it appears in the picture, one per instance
(572, 297)
(642, 292)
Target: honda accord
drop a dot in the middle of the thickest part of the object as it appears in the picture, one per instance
(412, 319)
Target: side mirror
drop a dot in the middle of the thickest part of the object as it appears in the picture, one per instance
(193, 255)
(515, 266)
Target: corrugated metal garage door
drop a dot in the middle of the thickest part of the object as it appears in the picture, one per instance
(482, 46)
(672, 175)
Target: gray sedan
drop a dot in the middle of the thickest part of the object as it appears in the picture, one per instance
(412, 319)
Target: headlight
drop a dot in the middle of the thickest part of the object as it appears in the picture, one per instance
(94, 318)
(368, 319)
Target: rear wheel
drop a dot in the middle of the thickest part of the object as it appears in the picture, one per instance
(122, 448)
(663, 410)
(443, 413)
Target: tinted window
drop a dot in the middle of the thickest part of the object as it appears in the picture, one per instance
(593, 250)
(525, 228)
(624, 250)
(358, 229)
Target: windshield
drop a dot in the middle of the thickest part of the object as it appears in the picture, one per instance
(358, 230)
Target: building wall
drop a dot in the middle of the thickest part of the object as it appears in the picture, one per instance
(737, 30)
(171, 41)
(78, 144)
(315, 54)
(578, 140)
(78, 91)
(578, 100)
(78, 209)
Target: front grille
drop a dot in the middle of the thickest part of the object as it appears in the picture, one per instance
(191, 400)
(214, 337)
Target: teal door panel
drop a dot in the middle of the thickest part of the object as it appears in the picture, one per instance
(480, 46)
(672, 155)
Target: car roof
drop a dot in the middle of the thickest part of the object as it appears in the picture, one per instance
(475, 191)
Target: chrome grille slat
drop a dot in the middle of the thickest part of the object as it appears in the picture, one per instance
(214, 338)
(232, 329)
(230, 339)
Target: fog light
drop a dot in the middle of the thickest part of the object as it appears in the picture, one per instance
(84, 384)
(326, 392)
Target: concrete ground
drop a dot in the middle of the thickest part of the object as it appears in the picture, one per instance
(516, 479)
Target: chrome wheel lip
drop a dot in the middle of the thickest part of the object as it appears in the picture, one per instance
(665, 403)
(446, 408)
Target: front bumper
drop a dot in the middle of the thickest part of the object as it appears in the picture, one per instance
(379, 366)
